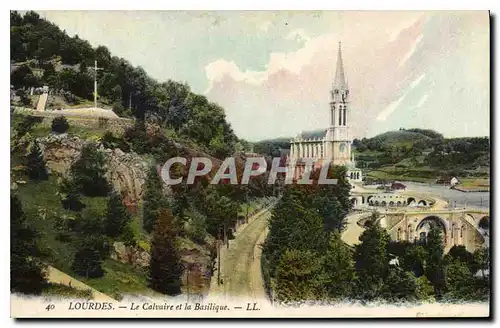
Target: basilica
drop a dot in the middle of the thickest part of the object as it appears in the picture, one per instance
(332, 143)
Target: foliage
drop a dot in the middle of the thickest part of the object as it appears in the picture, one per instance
(110, 141)
(484, 223)
(35, 163)
(26, 124)
(372, 261)
(117, 216)
(70, 195)
(60, 124)
(165, 268)
(434, 262)
(339, 268)
(88, 172)
(192, 116)
(26, 270)
(298, 276)
(400, 285)
(88, 259)
(153, 199)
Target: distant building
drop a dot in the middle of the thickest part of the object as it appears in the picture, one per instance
(454, 181)
(332, 143)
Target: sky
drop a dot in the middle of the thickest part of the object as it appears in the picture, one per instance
(272, 70)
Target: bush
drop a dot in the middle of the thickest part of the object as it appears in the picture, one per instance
(60, 124)
(484, 223)
(118, 108)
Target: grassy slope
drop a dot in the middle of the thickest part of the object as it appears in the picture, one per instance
(408, 170)
(39, 197)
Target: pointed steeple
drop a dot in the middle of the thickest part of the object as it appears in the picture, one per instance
(340, 81)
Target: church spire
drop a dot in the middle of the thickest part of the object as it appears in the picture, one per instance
(340, 81)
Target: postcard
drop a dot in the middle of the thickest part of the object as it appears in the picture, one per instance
(250, 164)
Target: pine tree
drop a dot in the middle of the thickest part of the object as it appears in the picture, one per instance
(88, 172)
(70, 195)
(36, 163)
(434, 262)
(339, 268)
(154, 200)
(299, 277)
(165, 268)
(117, 216)
(26, 271)
(88, 258)
(372, 261)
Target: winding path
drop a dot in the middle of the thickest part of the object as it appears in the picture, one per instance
(240, 263)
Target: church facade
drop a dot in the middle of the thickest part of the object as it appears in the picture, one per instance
(332, 143)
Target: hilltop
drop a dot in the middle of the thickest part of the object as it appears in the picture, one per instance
(156, 121)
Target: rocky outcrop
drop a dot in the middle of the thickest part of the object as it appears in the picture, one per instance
(130, 255)
(125, 171)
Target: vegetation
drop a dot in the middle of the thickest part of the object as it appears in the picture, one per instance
(37, 44)
(36, 163)
(60, 124)
(165, 268)
(303, 260)
(26, 269)
(88, 172)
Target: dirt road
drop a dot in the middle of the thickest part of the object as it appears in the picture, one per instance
(240, 264)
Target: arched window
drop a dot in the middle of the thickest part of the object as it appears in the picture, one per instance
(462, 232)
(453, 227)
(340, 115)
(345, 114)
(399, 234)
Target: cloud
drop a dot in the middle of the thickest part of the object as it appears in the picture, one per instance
(298, 34)
(292, 62)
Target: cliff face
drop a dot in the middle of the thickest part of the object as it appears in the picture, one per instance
(125, 171)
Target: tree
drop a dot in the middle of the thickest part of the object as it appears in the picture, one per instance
(434, 262)
(413, 259)
(400, 285)
(299, 277)
(27, 273)
(372, 261)
(484, 223)
(70, 195)
(339, 268)
(153, 200)
(117, 216)
(36, 163)
(458, 280)
(165, 268)
(88, 258)
(481, 260)
(60, 124)
(89, 173)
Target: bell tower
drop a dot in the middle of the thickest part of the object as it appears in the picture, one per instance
(338, 144)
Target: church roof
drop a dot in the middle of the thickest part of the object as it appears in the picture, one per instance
(340, 82)
(320, 133)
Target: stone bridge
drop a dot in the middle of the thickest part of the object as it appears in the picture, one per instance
(459, 226)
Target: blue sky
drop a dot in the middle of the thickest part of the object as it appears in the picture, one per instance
(272, 71)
